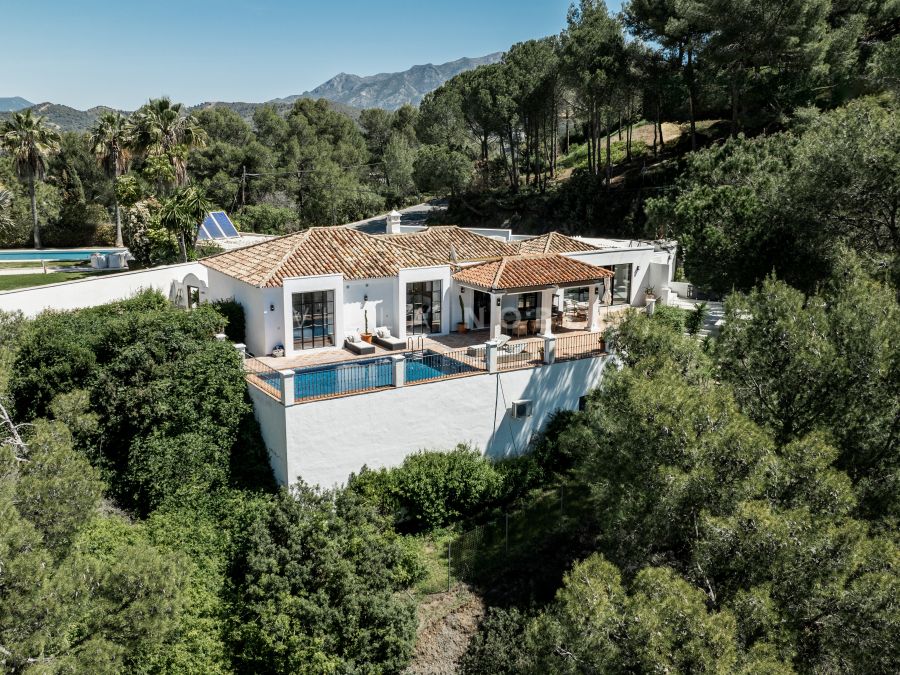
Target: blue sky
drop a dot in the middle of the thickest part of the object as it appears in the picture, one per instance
(120, 52)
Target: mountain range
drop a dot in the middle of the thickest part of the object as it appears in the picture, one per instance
(347, 93)
(14, 103)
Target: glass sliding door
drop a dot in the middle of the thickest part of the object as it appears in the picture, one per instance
(621, 288)
(313, 319)
(423, 307)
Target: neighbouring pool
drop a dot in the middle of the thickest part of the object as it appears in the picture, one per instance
(341, 378)
(53, 254)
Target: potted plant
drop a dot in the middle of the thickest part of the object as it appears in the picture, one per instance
(366, 335)
(278, 351)
(462, 327)
(650, 293)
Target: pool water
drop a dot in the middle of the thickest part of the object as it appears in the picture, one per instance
(53, 254)
(341, 378)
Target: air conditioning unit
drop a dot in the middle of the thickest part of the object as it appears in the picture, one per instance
(521, 409)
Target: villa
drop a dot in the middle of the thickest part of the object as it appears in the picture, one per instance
(362, 348)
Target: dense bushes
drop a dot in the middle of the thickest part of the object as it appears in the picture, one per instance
(318, 575)
(168, 397)
(431, 489)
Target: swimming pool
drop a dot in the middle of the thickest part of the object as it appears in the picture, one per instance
(55, 254)
(364, 374)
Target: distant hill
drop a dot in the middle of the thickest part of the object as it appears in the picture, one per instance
(392, 90)
(71, 119)
(282, 105)
(14, 103)
(347, 94)
(66, 118)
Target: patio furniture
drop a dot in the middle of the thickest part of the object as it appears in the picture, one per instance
(532, 326)
(478, 350)
(355, 344)
(383, 338)
(520, 329)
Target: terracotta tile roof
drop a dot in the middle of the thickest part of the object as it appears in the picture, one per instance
(440, 240)
(554, 242)
(318, 250)
(529, 271)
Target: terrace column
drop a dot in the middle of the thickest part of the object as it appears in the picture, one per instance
(398, 364)
(546, 321)
(593, 308)
(495, 328)
(287, 387)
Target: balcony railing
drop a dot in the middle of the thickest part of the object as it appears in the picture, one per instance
(583, 346)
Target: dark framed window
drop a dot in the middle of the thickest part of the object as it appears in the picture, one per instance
(423, 307)
(313, 319)
(527, 305)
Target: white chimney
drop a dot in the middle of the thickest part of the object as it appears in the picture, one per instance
(393, 222)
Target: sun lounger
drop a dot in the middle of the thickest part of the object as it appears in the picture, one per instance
(478, 350)
(357, 346)
(383, 338)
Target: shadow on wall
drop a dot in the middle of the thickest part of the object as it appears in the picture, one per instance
(550, 388)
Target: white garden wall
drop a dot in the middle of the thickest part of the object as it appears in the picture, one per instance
(324, 441)
(93, 291)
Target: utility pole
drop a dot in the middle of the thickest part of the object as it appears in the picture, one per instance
(243, 186)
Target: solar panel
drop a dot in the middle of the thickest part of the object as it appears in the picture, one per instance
(225, 224)
(217, 225)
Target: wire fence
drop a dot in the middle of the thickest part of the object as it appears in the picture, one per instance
(495, 548)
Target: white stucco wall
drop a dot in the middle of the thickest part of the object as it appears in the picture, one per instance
(93, 291)
(270, 415)
(325, 441)
(381, 306)
(640, 259)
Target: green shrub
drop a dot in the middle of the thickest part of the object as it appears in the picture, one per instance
(233, 311)
(673, 317)
(696, 318)
(431, 489)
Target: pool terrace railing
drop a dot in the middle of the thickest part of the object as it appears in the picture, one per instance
(265, 379)
(344, 379)
(582, 346)
(515, 355)
(435, 366)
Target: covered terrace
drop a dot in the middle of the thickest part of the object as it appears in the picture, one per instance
(525, 295)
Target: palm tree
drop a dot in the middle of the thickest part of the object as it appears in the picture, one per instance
(30, 141)
(160, 129)
(109, 142)
(182, 214)
(5, 204)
